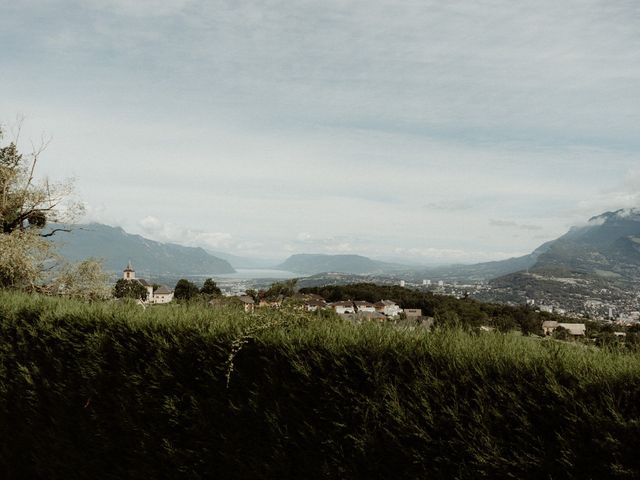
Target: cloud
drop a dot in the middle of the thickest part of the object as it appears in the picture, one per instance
(449, 205)
(307, 243)
(138, 8)
(623, 195)
(152, 225)
(441, 255)
(512, 224)
(168, 232)
(337, 126)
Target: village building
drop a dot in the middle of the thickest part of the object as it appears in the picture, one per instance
(413, 313)
(574, 329)
(162, 294)
(548, 326)
(343, 307)
(314, 305)
(248, 303)
(388, 308)
(363, 306)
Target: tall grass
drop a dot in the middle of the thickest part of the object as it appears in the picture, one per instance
(114, 391)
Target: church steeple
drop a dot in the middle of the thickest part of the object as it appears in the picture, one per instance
(129, 273)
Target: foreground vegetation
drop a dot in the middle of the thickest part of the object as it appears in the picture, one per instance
(109, 390)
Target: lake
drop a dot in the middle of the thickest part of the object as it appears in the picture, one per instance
(251, 273)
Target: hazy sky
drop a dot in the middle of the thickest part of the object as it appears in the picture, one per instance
(434, 130)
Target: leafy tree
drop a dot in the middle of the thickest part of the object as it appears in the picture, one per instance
(504, 323)
(561, 333)
(634, 328)
(609, 341)
(253, 294)
(210, 288)
(85, 280)
(286, 289)
(530, 323)
(632, 341)
(185, 290)
(22, 259)
(446, 319)
(27, 203)
(129, 289)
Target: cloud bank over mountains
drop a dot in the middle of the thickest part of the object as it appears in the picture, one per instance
(447, 130)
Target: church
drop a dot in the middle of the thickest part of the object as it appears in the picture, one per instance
(162, 294)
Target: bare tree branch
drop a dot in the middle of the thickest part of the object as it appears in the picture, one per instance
(53, 232)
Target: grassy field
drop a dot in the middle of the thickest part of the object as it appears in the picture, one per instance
(113, 391)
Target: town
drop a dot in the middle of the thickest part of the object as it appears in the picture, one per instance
(596, 321)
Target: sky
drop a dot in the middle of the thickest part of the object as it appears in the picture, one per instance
(422, 131)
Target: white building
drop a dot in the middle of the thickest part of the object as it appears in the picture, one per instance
(314, 305)
(248, 303)
(413, 312)
(343, 307)
(389, 308)
(162, 294)
(575, 329)
(365, 306)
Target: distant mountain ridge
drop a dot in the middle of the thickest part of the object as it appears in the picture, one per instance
(311, 264)
(482, 271)
(116, 247)
(608, 246)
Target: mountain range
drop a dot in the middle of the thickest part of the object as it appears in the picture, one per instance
(606, 248)
(310, 264)
(597, 262)
(116, 247)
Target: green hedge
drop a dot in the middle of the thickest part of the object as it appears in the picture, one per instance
(111, 391)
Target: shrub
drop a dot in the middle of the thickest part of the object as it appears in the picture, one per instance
(109, 391)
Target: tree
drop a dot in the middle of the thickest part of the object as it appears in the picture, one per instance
(504, 323)
(561, 333)
(85, 280)
(185, 290)
(210, 288)
(26, 205)
(22, 259)
(129, 289)
(286, 289)
(446, 319)
(530, 323)
(253, 294)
